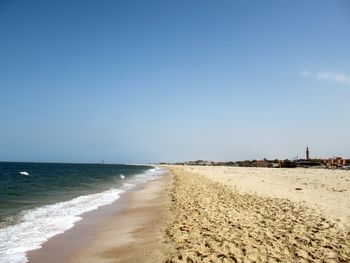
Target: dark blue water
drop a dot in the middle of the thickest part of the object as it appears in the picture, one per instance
(49, 183)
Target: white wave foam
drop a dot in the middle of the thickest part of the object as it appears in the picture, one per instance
(127, 185)
(151, 173)
(39, 224)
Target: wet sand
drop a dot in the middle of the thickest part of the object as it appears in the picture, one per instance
(217, 214)
(126, 231)
(219, 218)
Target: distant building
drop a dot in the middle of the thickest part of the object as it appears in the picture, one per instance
(335, 162)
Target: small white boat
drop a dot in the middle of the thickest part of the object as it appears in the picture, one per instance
(122, 176)
(24, 173)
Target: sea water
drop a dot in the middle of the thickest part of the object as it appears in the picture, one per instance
(41, 200)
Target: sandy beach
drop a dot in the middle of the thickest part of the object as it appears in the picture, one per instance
(321, 189)
(217, 214)
(222, 214)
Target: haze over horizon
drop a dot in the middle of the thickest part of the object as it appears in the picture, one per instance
(151, 81)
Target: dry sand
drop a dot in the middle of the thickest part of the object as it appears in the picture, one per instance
(222, 214)
(321, 189)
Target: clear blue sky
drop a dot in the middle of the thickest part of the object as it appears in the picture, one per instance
(144, 81)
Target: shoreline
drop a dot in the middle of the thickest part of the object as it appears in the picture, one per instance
(108, 229)
(63, 246)
(220, 214)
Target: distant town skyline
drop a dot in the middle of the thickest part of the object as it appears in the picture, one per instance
(151, 81)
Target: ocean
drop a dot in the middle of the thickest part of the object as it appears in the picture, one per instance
(41, 200)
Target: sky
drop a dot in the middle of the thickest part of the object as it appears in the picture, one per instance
(150, 81)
